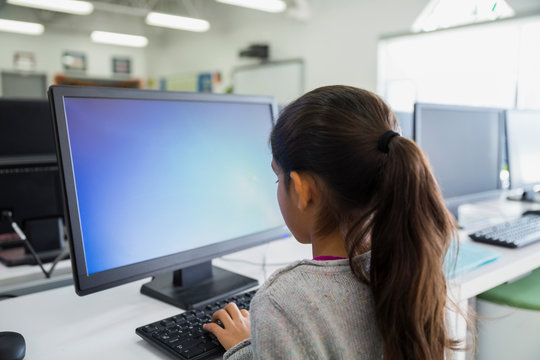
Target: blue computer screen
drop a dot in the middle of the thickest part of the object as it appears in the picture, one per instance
(154, 178)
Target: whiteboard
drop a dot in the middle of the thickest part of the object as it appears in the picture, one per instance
(284, 80)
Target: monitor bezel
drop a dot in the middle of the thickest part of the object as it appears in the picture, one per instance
(453, 202)
(89, 283)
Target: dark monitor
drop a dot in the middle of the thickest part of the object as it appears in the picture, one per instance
(160, 183)
(29, 180)
(405, 123)
(464, 147)
(523, 146)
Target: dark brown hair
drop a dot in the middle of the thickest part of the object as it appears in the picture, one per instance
(387, 202)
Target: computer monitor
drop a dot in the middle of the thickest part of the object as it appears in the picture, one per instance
(405, 120)
(464, 147)
(160, 183)
(523, 146)
(29, 181)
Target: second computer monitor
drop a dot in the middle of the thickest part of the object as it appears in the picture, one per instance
(405, 123)
(29, 179)
(463, 145)
(523, 144)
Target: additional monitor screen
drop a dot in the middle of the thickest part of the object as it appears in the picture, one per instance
(159, 181)
(26, 131)
(405, 123)
(29, 176)
(463, 145)
(523, 143)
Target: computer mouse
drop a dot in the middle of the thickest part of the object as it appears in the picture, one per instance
(12, 346)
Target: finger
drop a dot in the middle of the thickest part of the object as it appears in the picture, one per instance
(233, 310)
(244, 313)
(223, 316)
(214, 329)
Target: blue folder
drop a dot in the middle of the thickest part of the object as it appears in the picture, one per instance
(469, 257)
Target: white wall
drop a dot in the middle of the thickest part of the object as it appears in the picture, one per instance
(493, 64)
(338, 42)
(49, 47)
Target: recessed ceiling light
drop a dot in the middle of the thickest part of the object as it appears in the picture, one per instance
(273, 6)
(118, 39)
(68, 6)
(21, 27)
(177, 22)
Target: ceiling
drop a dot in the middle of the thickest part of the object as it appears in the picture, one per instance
(128, 15)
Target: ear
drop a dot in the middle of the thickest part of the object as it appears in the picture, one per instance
(304, 187)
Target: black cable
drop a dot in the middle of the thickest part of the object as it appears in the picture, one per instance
(9, 216)
(61, 256)
(23, 237)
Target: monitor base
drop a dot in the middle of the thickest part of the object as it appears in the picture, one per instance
(214, 284)
(528, 196)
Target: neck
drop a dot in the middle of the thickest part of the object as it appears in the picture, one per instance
(330, 245)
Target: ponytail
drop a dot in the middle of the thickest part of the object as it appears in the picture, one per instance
(379, 190)
(410, 230)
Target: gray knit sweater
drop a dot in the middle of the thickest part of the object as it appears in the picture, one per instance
(312, 310)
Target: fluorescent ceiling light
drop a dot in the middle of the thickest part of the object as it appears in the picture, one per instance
(273, 6)
(21, 27)
(440, 14)
(177, 22)
(118, 39)
(68, 6)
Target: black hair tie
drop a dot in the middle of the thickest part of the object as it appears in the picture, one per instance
(385, 139)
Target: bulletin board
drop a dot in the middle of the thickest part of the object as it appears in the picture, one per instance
(284, 80)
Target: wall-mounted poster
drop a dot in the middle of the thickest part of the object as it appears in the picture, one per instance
(121, 65)
(24, 61)
(74, 61)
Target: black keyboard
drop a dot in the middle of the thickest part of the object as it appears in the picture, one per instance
(513, 234)
(182, 335)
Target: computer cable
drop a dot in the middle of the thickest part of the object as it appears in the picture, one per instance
(263, 264)
(6, 214)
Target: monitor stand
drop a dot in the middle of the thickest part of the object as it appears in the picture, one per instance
(196, 286)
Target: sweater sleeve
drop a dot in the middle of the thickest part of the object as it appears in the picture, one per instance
(240, 351)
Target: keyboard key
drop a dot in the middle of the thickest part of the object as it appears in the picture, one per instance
(192, 352)
(149, 328)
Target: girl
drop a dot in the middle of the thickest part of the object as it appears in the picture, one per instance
(366, 200)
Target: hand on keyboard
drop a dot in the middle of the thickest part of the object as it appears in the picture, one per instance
(183, 336)
(236, 325)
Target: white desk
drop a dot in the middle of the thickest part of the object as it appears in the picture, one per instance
(513, 263)
(57, 324)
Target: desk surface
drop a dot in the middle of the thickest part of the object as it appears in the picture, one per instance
(25, 279)
(58, 324)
